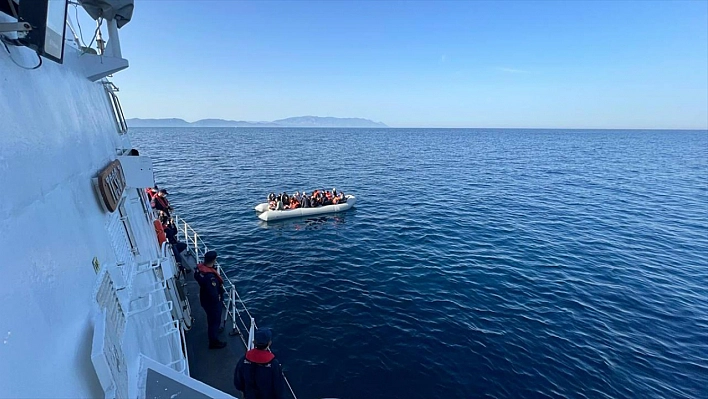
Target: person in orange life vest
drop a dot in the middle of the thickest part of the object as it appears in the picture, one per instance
(151, 192)
(327, 198)
(258, 374)
(211, 289)
(160, 231)
(271, 201)
(161, 203)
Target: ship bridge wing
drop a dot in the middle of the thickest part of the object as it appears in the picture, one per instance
(120, 10)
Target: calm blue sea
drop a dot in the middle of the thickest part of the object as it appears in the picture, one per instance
(477, 263)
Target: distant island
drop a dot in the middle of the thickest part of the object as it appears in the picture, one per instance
(298, 121)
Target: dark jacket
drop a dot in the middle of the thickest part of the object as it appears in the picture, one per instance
(171, 233)
(210, 287)
(161, 204)
(259, 376)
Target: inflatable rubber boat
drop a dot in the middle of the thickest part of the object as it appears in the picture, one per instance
(269, 215)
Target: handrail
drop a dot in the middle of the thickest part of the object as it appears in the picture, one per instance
(230, 301)
(196, 244)
(117, 109)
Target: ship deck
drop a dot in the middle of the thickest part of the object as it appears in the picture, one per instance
(214, 367)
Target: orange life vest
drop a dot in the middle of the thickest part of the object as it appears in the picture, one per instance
(160, 231)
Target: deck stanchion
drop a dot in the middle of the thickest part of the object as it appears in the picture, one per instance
(251, 333)
(196, 246)
(233, 311)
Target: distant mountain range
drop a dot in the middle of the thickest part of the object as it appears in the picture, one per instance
(298, 121)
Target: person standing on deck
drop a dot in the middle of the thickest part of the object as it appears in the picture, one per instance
(160, 202)
(258, 374)
(211, 289)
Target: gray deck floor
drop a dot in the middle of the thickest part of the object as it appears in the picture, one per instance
(214, 367)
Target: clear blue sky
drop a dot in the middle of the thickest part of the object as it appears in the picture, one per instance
(614, 64)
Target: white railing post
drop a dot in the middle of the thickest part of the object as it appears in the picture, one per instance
(224, 313)
(251, 332)
(233, 309)
(196, 247)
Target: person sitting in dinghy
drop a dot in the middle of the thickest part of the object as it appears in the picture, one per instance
(271, 201)
(324, 199)
(276, 202)
(315, 199)
(305, 202)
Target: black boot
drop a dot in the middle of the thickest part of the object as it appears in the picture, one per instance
(217, 344)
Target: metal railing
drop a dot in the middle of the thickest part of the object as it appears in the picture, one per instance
(173, 328)
(118, 115)
(235, 306)
(231, 300)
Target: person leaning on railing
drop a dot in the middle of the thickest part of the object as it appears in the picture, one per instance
(170, 229)
(161, 203)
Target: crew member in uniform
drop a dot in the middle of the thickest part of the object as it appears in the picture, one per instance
(211, 289)
(258, 374)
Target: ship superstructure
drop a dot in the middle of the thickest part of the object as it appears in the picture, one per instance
(91, 304)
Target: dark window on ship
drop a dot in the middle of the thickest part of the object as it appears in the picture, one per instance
(5, 7)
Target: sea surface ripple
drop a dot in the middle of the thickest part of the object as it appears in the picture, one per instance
(476, 263)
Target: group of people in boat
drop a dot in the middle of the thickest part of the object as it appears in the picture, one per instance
(283, 201)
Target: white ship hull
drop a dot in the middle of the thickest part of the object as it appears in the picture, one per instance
(91, 305)
(58, 130)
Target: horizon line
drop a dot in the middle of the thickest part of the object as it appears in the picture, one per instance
(387, 126)
(419, 127)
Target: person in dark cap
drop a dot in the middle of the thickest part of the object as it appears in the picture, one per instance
(159, 202)
(258, 374)
(211, 289)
